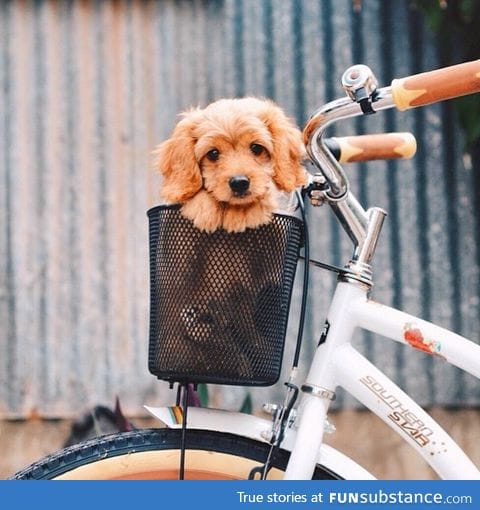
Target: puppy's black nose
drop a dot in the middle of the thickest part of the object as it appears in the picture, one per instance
(239, 184)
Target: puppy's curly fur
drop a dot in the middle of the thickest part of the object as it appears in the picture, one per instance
(227, 163)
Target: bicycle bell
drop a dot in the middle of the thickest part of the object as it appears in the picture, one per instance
(360, 84)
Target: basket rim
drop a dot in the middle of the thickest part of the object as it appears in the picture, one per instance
(173, 207)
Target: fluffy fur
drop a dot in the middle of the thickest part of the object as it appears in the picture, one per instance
(227, 163)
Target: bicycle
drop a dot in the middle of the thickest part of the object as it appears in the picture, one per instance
(216, 444)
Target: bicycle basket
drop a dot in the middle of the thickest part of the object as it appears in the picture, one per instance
(219, 302)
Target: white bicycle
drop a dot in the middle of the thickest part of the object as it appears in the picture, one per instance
(215, 444)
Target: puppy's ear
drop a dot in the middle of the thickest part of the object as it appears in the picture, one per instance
(176, 162)
(288, 149)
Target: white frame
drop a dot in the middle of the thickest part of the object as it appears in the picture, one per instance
(337, 363)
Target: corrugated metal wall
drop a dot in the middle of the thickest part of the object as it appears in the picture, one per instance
(88, 88)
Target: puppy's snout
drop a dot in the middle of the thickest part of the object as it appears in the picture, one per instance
(239, 184)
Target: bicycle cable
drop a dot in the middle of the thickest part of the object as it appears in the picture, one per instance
(329, 267)
(181, 472)
(306, 276)
(281, 420)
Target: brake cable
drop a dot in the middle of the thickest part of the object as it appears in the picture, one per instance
(281, 419)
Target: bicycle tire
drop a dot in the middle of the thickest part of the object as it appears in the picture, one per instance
(154, 454)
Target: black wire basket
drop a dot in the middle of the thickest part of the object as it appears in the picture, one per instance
(219, 302)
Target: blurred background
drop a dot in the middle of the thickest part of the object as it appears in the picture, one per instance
(89, 88)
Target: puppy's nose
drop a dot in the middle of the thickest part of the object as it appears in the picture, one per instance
(239, 184)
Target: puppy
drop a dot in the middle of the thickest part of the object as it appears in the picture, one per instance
(227, 163)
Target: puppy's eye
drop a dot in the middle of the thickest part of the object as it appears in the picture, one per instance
(213, 154)
(257, 149)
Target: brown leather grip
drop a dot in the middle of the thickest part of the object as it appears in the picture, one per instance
(438, 85)
(371, 147)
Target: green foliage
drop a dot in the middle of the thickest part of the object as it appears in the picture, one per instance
(468, 109)
(456, 24)
(433, 14)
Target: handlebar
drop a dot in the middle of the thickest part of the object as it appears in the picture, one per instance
(351, 149)
(439, 85)
(363, 98)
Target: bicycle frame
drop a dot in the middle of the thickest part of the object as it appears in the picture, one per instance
(337, 363)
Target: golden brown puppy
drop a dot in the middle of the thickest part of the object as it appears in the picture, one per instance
(227, 163)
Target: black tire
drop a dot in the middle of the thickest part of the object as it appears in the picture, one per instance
(154, 453)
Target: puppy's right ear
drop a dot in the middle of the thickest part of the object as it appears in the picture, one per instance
(176, 162)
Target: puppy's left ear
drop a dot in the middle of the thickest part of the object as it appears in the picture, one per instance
(288, 149)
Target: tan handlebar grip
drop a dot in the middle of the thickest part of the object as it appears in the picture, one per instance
(438, 85)
(371, 147)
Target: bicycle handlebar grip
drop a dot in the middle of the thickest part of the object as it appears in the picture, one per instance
(350, 149)
(439, 85)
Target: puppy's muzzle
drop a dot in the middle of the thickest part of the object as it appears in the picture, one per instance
(239, 185)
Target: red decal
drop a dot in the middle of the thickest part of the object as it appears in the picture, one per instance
(415, 338)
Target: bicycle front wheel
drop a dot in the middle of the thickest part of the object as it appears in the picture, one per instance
(154, 454)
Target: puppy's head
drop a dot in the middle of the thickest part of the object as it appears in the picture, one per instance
(235, 149)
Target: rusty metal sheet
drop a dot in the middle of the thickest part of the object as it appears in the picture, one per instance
(88, 88)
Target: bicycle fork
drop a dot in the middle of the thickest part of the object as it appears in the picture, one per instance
(319, 388)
